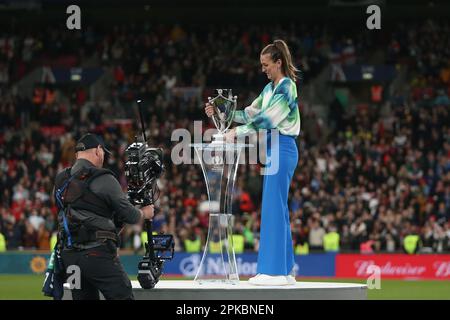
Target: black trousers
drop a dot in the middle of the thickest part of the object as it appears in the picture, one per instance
(100, 270)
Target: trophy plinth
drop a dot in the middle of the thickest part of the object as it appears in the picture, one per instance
(219, 162)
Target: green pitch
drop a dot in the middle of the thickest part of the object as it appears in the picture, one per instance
(28, 287)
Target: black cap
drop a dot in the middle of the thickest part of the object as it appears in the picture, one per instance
(89, 141)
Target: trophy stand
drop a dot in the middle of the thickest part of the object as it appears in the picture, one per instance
(219, 162)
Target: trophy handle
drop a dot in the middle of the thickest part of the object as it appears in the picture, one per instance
(215, 121)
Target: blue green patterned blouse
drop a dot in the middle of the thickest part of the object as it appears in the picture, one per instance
(274, 108)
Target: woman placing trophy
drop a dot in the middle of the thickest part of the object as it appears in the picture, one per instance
(275, 109)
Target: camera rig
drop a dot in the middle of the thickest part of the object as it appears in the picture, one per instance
(143, 167)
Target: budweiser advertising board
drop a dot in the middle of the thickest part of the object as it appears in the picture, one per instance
(396, 266)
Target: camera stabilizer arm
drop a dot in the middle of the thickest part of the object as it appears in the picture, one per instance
(149, 268)
(143, 168)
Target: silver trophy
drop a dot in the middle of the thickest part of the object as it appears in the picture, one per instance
(225, 105)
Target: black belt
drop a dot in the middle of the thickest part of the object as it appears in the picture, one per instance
(107, 235)
(89, 239)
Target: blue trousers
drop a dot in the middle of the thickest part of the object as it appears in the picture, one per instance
(276, 253)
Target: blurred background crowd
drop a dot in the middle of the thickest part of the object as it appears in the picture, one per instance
(374, 167)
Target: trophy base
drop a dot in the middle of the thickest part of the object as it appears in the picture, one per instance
(219, 252)
(207, 281)
(218, 138)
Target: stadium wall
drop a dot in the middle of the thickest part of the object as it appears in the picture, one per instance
(394, 266)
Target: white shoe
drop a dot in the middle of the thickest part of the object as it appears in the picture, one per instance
(267, 280)
(252, 279)
(291, 280)
(292, 273)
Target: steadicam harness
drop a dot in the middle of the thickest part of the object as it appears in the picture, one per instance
(72, 192)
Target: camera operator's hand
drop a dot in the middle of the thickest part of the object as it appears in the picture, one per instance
(148, 212)
(209, 109)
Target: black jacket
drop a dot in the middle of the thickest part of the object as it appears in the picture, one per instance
(108, 193)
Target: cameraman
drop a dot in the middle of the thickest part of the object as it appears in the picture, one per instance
(95, 207)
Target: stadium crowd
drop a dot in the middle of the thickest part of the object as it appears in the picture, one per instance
(378, 178)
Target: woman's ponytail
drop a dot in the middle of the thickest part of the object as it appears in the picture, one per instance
(280, 50)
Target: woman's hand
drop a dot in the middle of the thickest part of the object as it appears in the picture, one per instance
(209, 109)
(230, 135)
